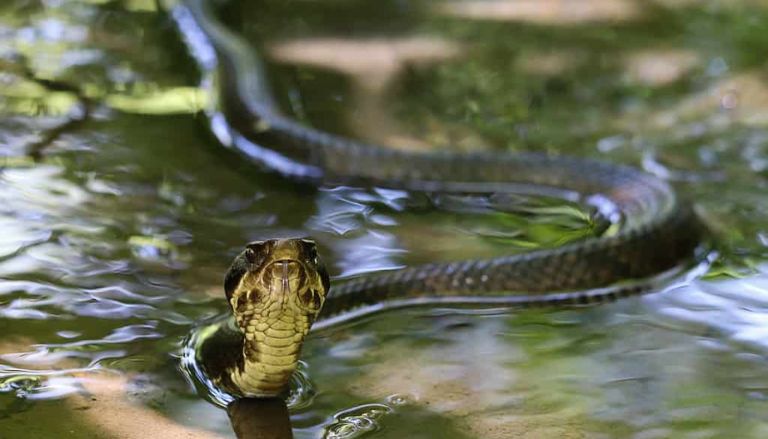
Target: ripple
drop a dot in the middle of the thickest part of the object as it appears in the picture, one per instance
(357, 421)
(40, 384)
(733, 311)
(374, 251)
(18, 236)
(301, 389)
(112, 244)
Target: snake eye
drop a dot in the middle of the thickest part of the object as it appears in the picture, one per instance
(313, 255)
(310, 250)
(250, 255)
(256, 251)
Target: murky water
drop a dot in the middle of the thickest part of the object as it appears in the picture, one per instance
(115, 242)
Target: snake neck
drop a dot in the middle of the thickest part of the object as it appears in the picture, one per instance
(270, 355)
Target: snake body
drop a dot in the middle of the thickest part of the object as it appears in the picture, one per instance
(655, 232)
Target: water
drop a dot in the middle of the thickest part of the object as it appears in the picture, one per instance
(114, 244)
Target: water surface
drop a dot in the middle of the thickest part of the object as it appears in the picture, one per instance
(114, 242)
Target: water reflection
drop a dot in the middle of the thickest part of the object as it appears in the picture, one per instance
(260, 419)
(733, 314)
(115, 244)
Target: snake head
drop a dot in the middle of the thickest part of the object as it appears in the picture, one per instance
(277, 279)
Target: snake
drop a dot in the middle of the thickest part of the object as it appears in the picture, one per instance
(278, 288)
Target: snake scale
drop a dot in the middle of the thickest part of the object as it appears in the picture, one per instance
(656, 231)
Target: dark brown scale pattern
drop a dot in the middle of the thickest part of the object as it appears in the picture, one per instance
(576, 267)
(659, 231)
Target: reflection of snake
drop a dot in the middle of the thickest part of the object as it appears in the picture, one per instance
(654, 231)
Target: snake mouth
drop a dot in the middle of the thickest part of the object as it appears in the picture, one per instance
(289, 279)
(287, 272)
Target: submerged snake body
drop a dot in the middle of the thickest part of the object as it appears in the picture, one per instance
(656, 231)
